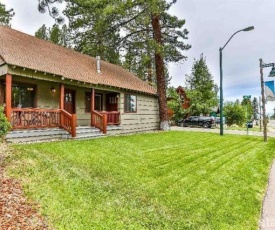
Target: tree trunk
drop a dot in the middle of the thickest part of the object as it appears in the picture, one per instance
(149, 62)
(161, 83)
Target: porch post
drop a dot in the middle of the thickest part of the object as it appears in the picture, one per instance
(73, 125)
(105, 123)
(8, 96)
(61, 103)
(61, 99)
(92, 105)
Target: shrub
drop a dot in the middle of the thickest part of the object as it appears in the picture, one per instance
(5, 126)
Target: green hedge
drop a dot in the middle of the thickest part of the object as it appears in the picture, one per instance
(5, 126)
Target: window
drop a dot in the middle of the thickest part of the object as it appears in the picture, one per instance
(182, 99)
(23, 96)
(130, 103)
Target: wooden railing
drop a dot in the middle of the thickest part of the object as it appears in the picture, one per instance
(112, 117)
(26, 118)
(103, 118)
(99, 121)
(34, 118)
(68, 122)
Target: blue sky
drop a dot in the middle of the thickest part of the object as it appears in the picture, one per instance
(210, 24)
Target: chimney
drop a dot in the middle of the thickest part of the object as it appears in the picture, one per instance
(98, 64)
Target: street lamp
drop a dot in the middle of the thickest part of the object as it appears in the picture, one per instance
(221, 78)
(271, 74)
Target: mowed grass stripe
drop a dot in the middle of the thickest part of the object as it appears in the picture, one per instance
(166, 180)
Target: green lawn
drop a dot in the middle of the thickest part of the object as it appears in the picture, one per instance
(165, 180)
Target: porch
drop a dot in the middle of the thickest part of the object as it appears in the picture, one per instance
(39, 104)
(34, 118)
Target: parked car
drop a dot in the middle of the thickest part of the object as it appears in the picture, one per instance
(197, 121)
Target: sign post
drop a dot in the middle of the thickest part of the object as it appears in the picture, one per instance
(247, 121)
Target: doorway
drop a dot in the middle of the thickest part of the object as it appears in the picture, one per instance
(69, 101)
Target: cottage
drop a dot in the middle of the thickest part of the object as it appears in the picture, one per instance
(185, 101)
(44, 85)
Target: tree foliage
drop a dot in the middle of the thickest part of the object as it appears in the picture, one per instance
(201, 88)
(5, 126)
(247, 105)
(175, 104)
(91, 27)
(255, 109)
(55, 34)
(5, 15)
(234, 113)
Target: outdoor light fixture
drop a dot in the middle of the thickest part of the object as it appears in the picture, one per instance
(221, 77)
(271, 74)
(249, 28)
(53, 90)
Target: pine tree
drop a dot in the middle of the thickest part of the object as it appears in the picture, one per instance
(42, 33)
(201, 88)
(54, 34)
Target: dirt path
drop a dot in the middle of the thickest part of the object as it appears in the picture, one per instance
(15, 211)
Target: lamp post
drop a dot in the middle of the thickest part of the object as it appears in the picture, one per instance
(271, 74)
(221, 77)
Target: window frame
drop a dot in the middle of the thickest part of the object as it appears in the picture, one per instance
(127, 101)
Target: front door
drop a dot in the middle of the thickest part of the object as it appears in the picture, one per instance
(111, 102)
(69, 101)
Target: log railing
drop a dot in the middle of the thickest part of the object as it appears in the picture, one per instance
(34, 118)
(26, 118)
(112, 117)
(68, 122)
(99, 121)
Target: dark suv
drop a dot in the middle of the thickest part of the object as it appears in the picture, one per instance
(194, 121)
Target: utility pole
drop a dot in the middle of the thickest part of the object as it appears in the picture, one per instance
(263, 100)
(260, 113)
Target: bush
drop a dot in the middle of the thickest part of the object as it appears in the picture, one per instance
(235, 114)
(5, 126)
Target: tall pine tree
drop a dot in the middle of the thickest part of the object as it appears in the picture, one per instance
(201, 88)
(54, 34)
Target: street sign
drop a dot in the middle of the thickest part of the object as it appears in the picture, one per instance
(246, 96)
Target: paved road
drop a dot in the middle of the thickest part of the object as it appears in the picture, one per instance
(271, 132)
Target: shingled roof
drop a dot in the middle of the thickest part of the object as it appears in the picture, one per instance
(20, 49)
